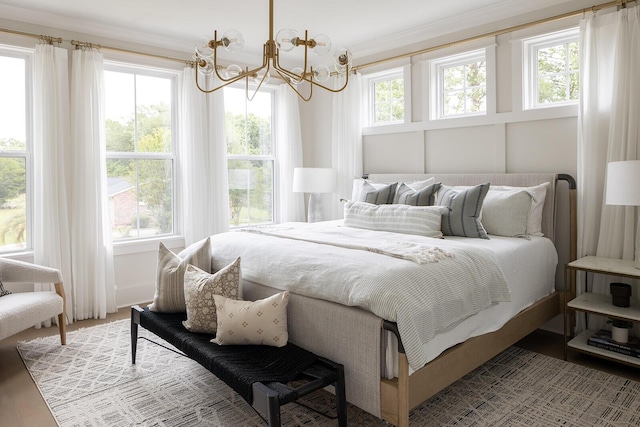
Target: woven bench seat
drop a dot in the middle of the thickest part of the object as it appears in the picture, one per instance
(259, 374)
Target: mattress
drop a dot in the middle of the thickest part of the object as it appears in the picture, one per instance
(529, 267)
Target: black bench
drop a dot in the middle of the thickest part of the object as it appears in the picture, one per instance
(260, 374)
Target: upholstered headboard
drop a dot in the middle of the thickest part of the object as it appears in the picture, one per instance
(512, 179)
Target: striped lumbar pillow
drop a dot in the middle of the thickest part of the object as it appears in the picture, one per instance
(405, 219)
(169, 294)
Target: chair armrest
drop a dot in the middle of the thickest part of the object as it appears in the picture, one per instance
(19, 271)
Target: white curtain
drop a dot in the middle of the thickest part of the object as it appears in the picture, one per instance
(91, 248)
(608, 125)
(346, 139)
(204, 152)
(51, 241)
(289, 154)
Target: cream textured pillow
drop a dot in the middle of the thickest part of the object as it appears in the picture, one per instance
(262, 322)
(169, 294)
(405, 219)
(538, 196)
(506, 213)
(199, 289)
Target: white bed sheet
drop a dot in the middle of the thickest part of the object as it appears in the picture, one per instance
(529, 267)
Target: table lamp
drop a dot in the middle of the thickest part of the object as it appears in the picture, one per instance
(314, 181)
(623, 188)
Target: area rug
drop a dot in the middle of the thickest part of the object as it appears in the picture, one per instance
(91, 382)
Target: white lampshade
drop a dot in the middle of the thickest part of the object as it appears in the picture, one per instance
(623, 183)
(314, 180)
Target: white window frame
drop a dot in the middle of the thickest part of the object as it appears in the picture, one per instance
(273, 157)
(132, 68)
(370, 81)
(26, 154)
(436, 69)
(530, 48)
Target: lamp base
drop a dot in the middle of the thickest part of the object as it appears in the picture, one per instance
(314, 213)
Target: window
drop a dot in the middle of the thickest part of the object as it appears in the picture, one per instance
(459, 85)
(250, 154)
(386, 97)
(15, 159)
(140, 151)
(552, 75)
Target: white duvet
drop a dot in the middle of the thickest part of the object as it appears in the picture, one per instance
(368, 269)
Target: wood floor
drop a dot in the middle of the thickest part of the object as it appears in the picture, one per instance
(22, 406)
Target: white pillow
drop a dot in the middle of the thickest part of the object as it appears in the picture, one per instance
(419, 185)
(506, 213)
(538, 195)
(199, 289)
(169, 293)
(261, 322)
(405, 219)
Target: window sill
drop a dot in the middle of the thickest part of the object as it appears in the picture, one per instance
(147, 245)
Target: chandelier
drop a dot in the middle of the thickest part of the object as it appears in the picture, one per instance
(206, 61)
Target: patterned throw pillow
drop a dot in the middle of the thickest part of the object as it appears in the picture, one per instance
(3, 291)
(169, 294)
(465, 205)
(262, 322)
(407, 195)
(199, 289)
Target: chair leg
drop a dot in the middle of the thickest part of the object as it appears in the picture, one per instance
(62, 317)
(62, 325)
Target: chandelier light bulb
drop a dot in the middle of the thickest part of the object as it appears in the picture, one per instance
(321, 73)
(342, 59)
(323, 44)
(295, 80)
(260, 75)
(232, 41)
(232, 71)
(287, 39)
(205, 66)
(202, 47)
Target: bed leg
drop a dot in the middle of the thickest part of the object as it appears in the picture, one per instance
(135, 321)
(403, 390)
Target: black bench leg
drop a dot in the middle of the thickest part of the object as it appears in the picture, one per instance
(341, 397)
(135, 321)
(266, 400)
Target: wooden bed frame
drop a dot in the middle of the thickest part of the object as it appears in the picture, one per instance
(400, 395)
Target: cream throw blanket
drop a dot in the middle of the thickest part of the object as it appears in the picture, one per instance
(423, 298)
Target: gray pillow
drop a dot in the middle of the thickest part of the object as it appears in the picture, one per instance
(406, 195)
(465, 205)
(378, 196)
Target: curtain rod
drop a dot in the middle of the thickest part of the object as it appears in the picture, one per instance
(618, 3)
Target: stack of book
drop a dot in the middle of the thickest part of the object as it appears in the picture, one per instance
(602, 339)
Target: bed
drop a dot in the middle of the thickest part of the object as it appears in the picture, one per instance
(387, 375)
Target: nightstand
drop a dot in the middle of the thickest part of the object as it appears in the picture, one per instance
(589, 302)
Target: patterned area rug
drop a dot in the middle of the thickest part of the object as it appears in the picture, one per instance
(91, 382)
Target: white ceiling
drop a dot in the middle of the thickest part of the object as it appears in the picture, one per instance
(365, 27)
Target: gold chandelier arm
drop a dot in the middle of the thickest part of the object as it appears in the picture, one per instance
(262, 80)
(294, 88)
(346, 81)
